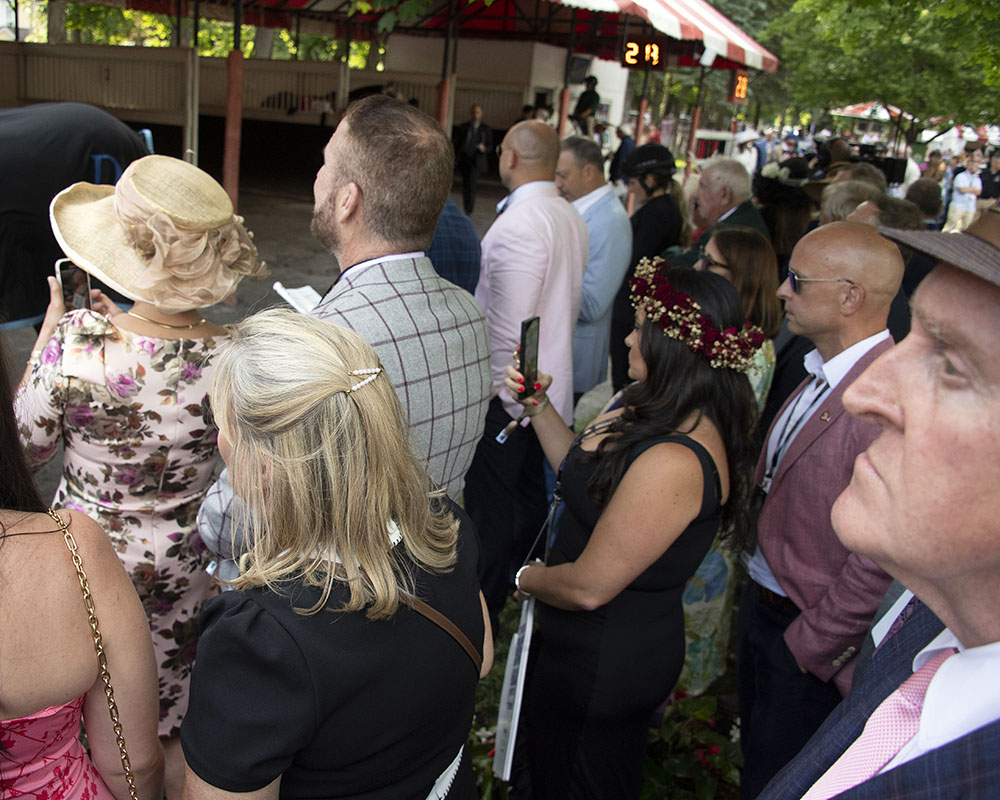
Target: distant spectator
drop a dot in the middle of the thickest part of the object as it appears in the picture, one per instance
(966, 188)
(863, 171)
(622, 153)
(455, 250)
(841, 198)
(990, 179)
(926, 195)
(587, 104)
(933, 167)
(528, 112)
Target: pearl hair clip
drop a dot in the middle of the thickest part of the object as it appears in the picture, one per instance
(371, 372)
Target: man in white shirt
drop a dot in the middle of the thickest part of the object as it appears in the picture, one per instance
(534, 257)
(810, 601)
(965, 190)
(580, 179)
(923, 503)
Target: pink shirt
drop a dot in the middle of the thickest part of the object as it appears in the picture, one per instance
(533, 260)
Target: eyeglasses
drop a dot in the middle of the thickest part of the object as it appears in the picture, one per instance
(710, 262)
(499, 150)
(794, 280)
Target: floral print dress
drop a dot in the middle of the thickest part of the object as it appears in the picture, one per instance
(139, 455)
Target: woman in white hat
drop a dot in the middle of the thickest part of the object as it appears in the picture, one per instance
(127, 393)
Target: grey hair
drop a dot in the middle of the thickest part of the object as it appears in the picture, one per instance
(841, 198)
(585, 151)
(730, 174)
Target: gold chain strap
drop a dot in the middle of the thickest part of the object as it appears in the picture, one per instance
(102, 659)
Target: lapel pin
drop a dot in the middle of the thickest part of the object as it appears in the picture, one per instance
(825, 416)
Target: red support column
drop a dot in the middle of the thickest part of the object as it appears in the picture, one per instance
(234, 121)
(640, 123)
(444, 88)
(563, 108)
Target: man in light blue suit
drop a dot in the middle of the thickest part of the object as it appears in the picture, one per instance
(580, 179)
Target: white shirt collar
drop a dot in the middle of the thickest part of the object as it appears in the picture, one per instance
(527, 190)
(837, 367)
(963, 695)
(357, 268)
(581, 204)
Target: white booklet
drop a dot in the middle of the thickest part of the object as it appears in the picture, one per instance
(302, 298)
(512, 692)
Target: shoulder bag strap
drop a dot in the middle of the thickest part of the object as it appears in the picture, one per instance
(445, 624)
(102, 660)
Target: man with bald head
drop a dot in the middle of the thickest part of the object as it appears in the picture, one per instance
(810, 601)
(534, 257)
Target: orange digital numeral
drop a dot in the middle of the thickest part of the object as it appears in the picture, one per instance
(653, 54)
(631, 53)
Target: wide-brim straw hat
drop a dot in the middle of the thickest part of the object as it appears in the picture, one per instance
(164, 234)
(975, 250)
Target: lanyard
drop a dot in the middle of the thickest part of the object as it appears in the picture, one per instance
(791, 430)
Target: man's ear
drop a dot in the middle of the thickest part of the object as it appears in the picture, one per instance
(854, 298)
(348, 201)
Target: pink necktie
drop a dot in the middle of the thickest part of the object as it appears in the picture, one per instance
(889, 727)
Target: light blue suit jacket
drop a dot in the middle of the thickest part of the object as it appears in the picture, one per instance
(610, 250)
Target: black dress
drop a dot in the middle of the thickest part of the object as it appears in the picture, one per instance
(338, 705)
(597, 676)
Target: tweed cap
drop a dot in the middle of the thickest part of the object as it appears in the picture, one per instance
(975, 250)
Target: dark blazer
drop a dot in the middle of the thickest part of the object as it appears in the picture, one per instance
(837, 591)
(744, 214)
(965, 769)
(467, 152)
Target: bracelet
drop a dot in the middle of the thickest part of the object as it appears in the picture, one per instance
(517, 580)
(536, 410)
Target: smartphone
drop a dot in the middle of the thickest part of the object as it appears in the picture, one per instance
(75, 284)
(529, 355)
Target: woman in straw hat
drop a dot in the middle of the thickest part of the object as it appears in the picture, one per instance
(325, 674)
(127, 392)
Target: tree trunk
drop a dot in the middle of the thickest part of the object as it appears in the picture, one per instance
(57, 22)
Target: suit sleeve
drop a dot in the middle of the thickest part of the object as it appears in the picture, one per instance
(609, 253)
(827, 635)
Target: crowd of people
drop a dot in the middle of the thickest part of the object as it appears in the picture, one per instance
(803, 423)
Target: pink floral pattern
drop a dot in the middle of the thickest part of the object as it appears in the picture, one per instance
(42, 757)
(139, 453)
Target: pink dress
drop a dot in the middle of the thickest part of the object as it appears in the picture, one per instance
(43, 758)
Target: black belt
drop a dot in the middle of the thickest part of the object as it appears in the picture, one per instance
(773, 598)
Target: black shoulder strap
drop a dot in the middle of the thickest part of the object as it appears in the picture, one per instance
(445, 624)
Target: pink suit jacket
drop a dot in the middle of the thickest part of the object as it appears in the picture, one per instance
(837, 591)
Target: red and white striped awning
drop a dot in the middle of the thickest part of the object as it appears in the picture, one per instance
(691, 20)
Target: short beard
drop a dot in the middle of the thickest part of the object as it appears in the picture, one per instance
(324, 228)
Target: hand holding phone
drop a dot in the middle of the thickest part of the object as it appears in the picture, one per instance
(528, 355)
(75, 284)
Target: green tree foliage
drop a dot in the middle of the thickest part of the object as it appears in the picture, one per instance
(903, 53)
(106, 25)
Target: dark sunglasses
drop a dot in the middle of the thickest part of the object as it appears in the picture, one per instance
(794, 280)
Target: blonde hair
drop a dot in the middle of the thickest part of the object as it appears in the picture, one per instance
(322, 459)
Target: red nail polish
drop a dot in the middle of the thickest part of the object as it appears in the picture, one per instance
(534, 402)
(538, 386)
(520, 380)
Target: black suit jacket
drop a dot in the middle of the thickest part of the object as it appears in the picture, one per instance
(467, 151)
(965, 769)
(744, 214)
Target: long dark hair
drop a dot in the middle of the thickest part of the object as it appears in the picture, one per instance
(17, 487)
(754, 267)
(680, 383)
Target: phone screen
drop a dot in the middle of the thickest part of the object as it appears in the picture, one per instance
(529, 354)
(75, 284)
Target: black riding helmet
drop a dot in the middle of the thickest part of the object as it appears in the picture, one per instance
(649, 159)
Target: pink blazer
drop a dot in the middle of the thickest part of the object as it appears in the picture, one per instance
(836, 590)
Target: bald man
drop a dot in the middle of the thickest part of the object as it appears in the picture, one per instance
(533, 260)
(810, 601)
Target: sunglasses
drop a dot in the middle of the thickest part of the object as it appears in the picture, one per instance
(794, 280)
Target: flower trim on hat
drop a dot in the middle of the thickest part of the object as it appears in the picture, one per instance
(680, 317)
(185, 267)
(782, 175)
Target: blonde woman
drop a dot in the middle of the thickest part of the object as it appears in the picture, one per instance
(316, 676)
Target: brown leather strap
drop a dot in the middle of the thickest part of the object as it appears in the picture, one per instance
(445, 624)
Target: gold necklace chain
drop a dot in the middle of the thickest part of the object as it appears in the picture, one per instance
(197, 324)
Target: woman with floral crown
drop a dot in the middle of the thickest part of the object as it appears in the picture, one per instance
(643, 489)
